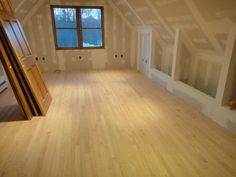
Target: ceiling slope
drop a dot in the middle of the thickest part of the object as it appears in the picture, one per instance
(23, 7)
(206, 22)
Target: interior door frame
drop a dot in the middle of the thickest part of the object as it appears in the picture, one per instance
(148, 30)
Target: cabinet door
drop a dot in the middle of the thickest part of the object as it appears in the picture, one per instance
(26, 62)
(6, 8)
(16, 85)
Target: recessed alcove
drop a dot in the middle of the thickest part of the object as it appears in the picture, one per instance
(196, 70)
(162, 58)
(185, 64)
(230, 87)
(207, 77)
(198, 73)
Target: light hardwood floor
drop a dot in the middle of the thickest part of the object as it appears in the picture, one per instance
(115, 124)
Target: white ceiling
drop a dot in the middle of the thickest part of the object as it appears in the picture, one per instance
(206, 22)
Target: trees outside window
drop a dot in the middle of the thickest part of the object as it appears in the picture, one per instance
(78, 27)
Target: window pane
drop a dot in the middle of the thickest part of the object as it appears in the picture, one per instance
(67, 38)
(65, 17)
(92, 38)
(91, 18)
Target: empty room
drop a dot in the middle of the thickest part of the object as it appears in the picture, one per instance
(118, 88)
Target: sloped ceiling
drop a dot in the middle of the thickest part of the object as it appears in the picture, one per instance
(206, 22)
(23, 7)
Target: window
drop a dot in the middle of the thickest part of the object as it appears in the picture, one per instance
(78, 27)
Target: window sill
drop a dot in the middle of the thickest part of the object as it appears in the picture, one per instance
(90, 48)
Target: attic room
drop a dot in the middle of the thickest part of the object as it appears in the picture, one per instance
(118, 88)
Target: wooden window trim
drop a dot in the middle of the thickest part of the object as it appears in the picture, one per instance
(79, 27)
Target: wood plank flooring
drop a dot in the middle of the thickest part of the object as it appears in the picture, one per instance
(115, 123)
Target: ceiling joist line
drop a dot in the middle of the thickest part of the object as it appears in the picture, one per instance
(162, 21)
(134, 12)
(202, 23)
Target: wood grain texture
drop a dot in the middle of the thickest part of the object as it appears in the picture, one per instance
(16, 81)
(115, 123)
(6, 7)
(26, 64)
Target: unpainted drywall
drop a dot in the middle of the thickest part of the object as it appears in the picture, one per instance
(234, 86)
(162, 55)
(186, 60)
(201, 72)
(230, 90)
(207, 77)
(119, 41)
(158, 56)
(206, 22)
(22, 7)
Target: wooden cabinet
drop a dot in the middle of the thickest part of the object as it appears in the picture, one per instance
(6, 8)
(25, 61)
(21, 68)
(16, 83)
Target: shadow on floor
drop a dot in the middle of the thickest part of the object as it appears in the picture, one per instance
(9, 108)
(11, 113)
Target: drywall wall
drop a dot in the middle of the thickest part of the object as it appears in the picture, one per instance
(185, 64)
(162, 55)
(207, 76)
(158, 56)
(198, 70)
(206, 22)
(230, 89)
(120, 40)
(234, 86)
(197, 79)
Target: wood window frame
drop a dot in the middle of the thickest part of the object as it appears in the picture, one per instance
(79, 27)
